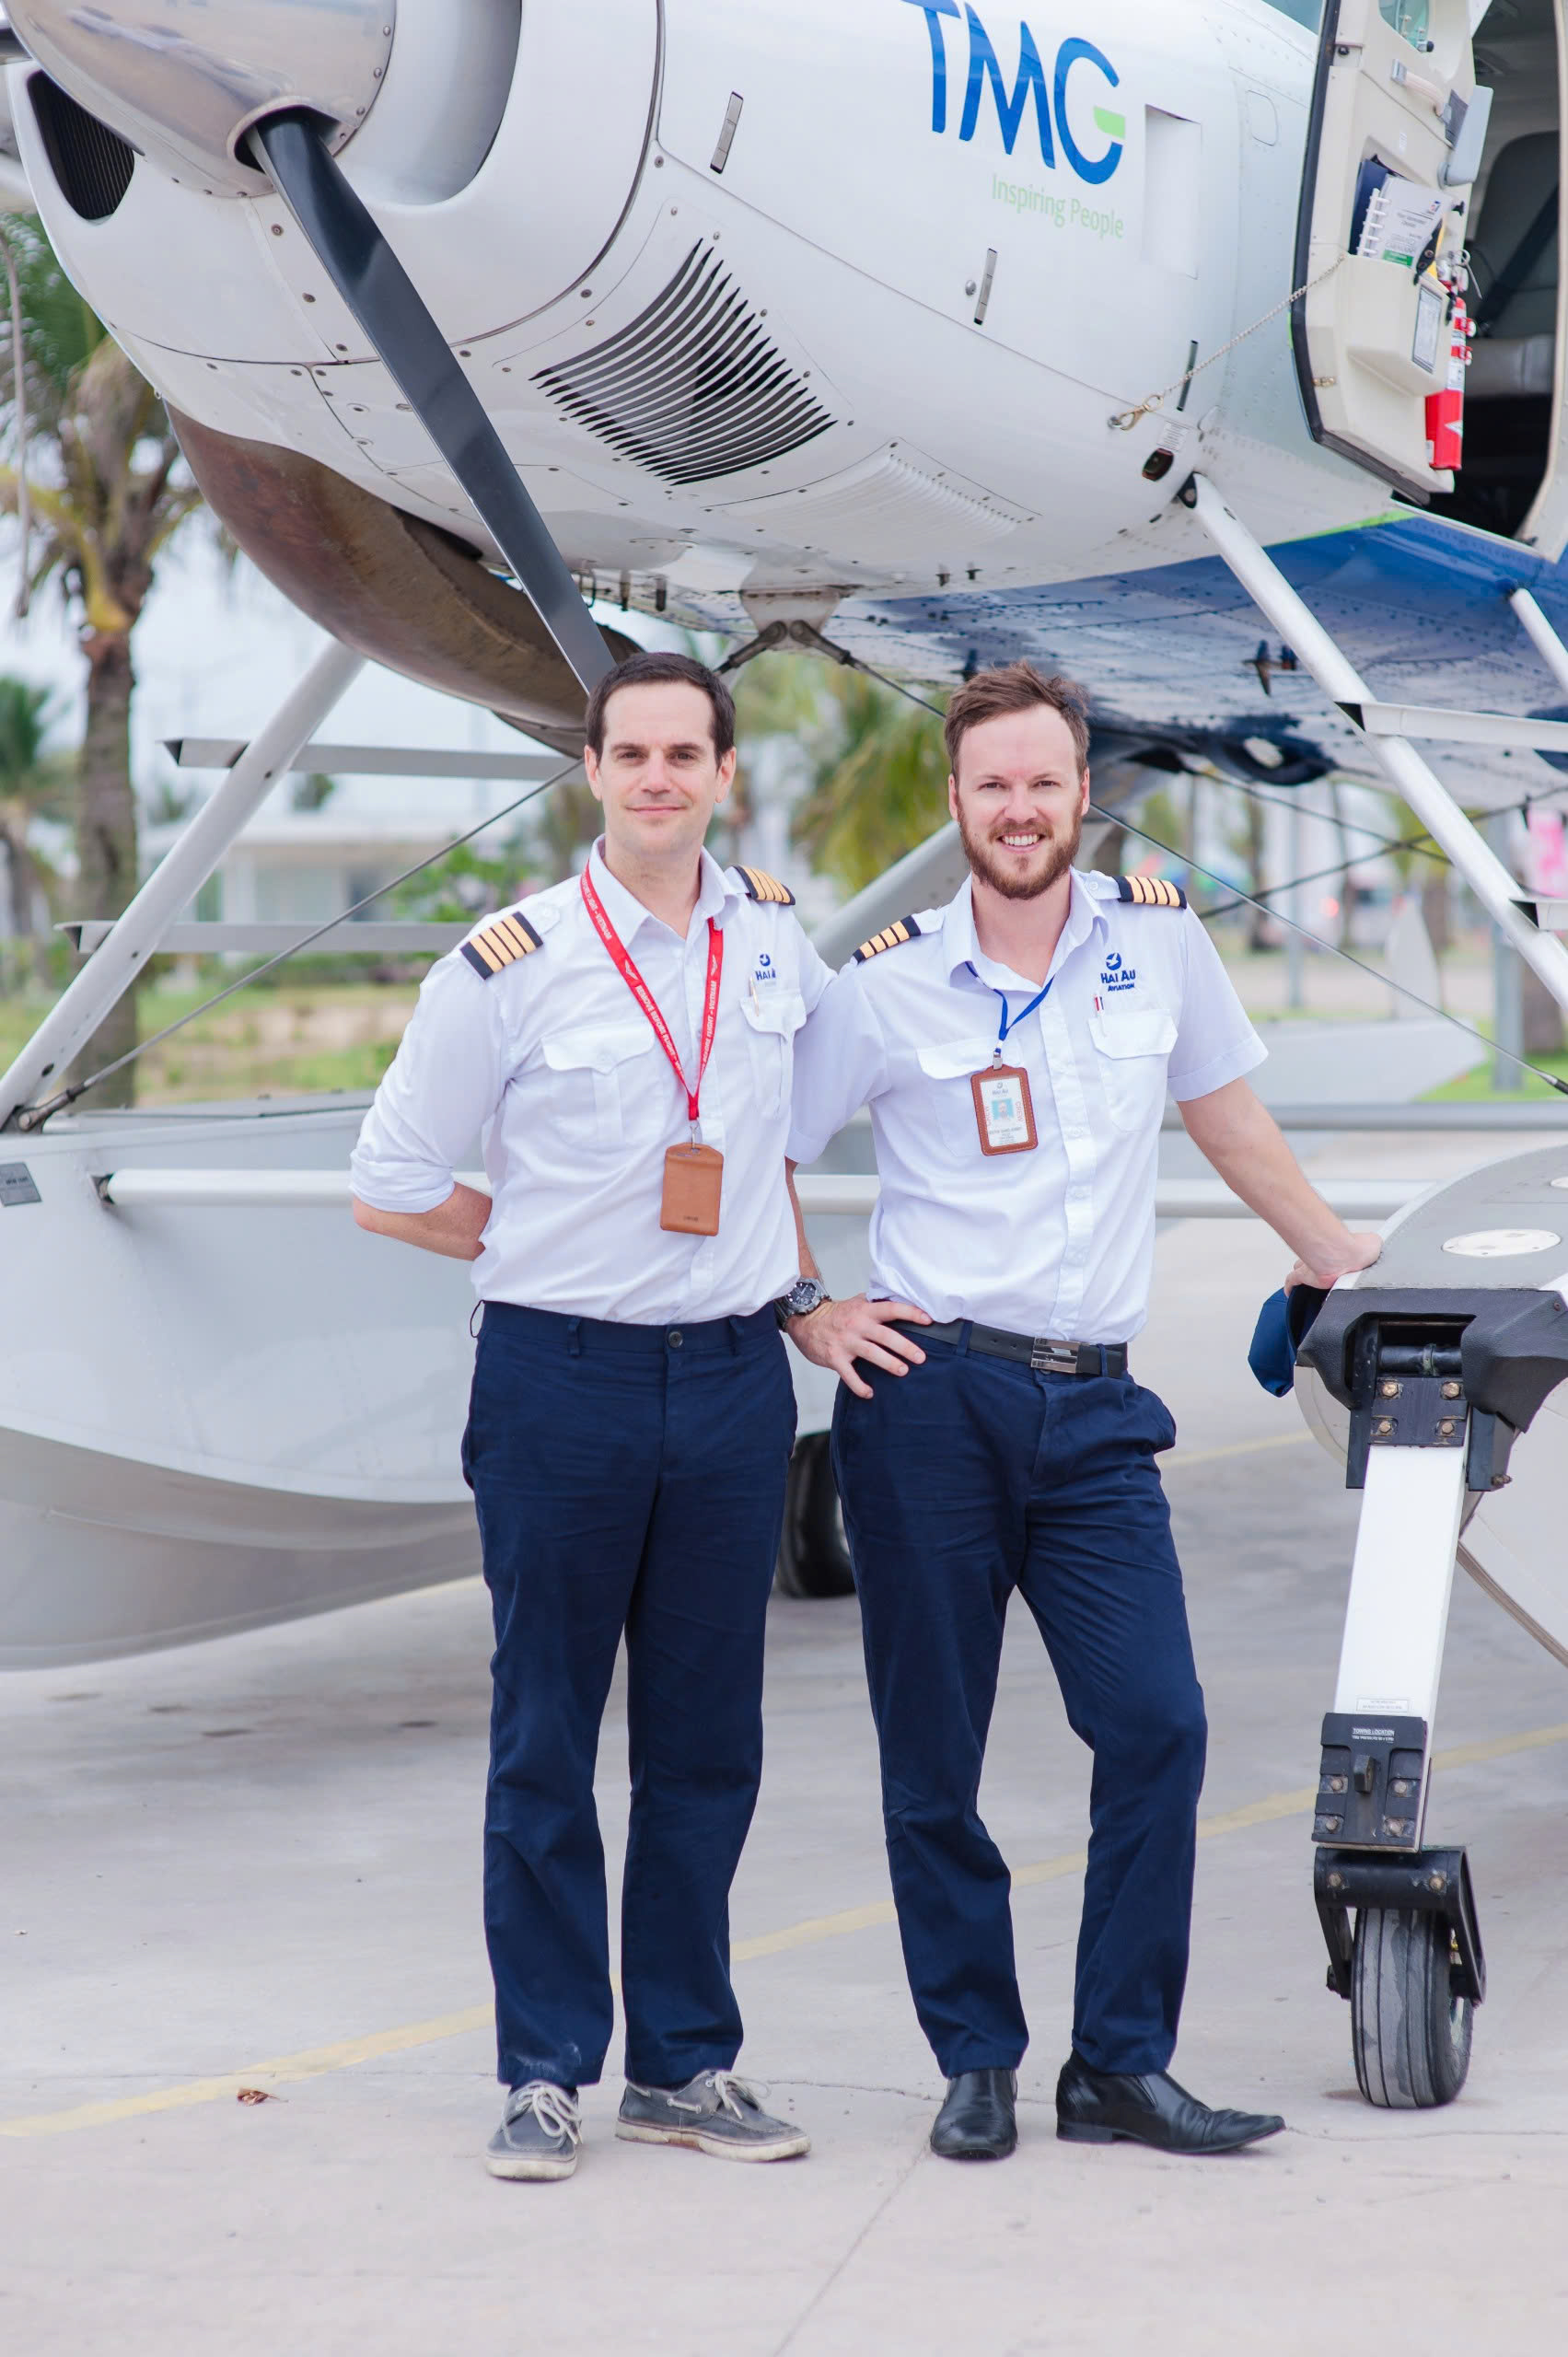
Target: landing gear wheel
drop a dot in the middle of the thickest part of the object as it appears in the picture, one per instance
(813, 1549)
(1410, 2027)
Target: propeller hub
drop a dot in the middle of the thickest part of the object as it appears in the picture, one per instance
(186, 82)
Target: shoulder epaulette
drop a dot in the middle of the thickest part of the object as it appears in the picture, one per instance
(501, 943)
(1150, 892)
(891, 936)
(760, 886)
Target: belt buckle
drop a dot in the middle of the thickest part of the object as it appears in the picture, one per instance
(1053, 1358)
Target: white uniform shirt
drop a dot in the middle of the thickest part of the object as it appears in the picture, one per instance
(1059, 1241)
(552, 1064)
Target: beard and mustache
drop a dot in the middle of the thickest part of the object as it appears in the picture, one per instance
(1005, 878)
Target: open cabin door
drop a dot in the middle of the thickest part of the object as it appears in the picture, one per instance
(1514, 477)
(1393, 146)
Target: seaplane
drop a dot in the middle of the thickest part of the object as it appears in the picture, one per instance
(923, 335)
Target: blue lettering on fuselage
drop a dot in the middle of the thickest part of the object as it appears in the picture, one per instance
(986, 72)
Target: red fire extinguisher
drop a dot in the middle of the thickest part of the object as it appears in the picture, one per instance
(1446, 410)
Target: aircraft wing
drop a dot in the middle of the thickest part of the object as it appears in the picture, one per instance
(1420, 605)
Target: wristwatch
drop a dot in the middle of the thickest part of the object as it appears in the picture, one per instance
(805, 1295)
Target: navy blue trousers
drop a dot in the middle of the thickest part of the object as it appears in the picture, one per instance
(963, 1480)
(628, 1478)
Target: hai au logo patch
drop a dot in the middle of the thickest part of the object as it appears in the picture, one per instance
(766, 971)
(1116, 976)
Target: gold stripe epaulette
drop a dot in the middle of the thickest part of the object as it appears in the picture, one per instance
(760, 886)
(1150, 892)
(891, 936)
(502, 941)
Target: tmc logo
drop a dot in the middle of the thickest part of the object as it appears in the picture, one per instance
(1051, 111)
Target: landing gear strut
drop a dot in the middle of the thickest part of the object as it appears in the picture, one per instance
(1439, 1385)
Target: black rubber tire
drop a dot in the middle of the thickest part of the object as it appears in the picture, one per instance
(813, 1550)
(1410, 2029)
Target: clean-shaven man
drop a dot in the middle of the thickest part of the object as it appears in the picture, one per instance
(623, 1044)
(1015, 1049)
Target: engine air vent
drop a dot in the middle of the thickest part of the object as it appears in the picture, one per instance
(884, 512)
(92, 164)
(695, 388)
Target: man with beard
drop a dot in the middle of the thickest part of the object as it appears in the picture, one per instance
(1015, 1049)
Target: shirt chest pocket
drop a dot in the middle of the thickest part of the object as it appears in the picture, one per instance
(948, 1070)
(1132, 1048)
(772, 1018)
(594, 1074)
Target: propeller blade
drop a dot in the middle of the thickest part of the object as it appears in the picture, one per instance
(378, 291)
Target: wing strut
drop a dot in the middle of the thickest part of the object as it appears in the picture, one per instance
(138, 932)
(292, 149)
(1403, 767)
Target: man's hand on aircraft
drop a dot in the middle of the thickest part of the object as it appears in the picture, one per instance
(1326, 1268)
(841, 1331)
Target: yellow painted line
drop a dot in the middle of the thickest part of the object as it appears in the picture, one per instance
(815, 1929)
(317, 2061)
(1182, 1457)
(312, 2063)
(1503, 1747)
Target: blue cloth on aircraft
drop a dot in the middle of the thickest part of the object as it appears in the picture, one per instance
(628, 1478)
(1282, 1324)
(961, 1480)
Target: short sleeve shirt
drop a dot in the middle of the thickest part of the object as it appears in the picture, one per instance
(550, 1068)
(1058, 1241)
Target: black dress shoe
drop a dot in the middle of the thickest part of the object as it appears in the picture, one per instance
(1149, 2107)
(978, 2122)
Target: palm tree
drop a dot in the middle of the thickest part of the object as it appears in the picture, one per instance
(33, 786)
(878, 771)
(106, 493)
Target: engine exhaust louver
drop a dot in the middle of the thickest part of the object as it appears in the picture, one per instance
(693, 388)
(92, 164)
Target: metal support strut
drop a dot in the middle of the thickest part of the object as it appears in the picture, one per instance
(136, 934)
(1395, 756)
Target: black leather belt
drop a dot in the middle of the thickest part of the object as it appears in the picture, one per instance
(1035, 1351)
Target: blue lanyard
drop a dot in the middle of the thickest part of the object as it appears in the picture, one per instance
(1010, 1022)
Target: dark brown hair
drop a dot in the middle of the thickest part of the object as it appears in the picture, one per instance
(1017, 687)
(654, 669)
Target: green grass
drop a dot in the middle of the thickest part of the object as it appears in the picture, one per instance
(1475, 1085)
(259, 1043)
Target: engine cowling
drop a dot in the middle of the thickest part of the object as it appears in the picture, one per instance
(186, 85)
(400, 591)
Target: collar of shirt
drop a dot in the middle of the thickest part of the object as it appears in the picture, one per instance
(717, 895)
(960, 944)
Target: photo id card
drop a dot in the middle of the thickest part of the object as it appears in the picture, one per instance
(693, 1179)
(1003, 1110)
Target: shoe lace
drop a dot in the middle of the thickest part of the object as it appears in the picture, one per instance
(557, 2113)
(733, 2092)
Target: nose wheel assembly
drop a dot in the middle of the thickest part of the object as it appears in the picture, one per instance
(1440, 1381)
(1410, 1965)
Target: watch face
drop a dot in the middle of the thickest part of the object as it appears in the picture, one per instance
(805, 1296)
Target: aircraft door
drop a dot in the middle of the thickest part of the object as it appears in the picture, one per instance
(1393, 146)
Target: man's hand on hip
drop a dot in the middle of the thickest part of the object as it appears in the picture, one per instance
(454, 1229)
(841, 1331)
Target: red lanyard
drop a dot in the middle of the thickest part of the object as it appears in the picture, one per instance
(649, 1004)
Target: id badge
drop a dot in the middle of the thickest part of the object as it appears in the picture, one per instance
(1003, 1111)
(693, 1179)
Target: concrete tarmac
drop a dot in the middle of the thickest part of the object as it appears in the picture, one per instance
(255, 1865)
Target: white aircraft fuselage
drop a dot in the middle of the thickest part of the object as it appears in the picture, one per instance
(937, 253)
